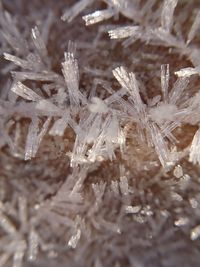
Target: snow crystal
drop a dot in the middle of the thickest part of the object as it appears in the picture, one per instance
(178, 89)
(72, 12)
(39, 44)
(115, 187)
(98, 105)
(123, 32)
(59, 126)
(35, 137)
(23, 211)
(21, 90)
(187, 72)
(195, 233)
(194, 28)
(194, 203)
(167, 14)
(124, 187)
(19, 254)
(6, 224)
(33, 245)
(18, 61)
(107, 119)
(47, 107)
(98, 16)
(11, 33)
(160, 145)
(178, 171)
(195, 149)
(181, 221)
(165, 81)
(133, 209)
(74, 239)
(99, 191)
(163, 112)
(129, 82)
(71, 74)
(176, 197)
(43, 76)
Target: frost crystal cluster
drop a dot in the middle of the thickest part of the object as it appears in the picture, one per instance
(99, 133)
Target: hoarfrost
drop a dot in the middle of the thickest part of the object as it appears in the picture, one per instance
(35, 137)
(33, 245)
(59, 126)
(74, 239)
(165, 81)
(195, 233)
(124, 187)
(98, 105)
(181, 221)
(124, 32)
(178, 171)
(163, 113)
(6, 224)
(194, 28)
(71, 74)
(167, 14)
(19, 254)
(187, 72)
(98, 16)
(160, 145)
(71, 13)
(129, 82)
(132, 209)
(195, 149)
(90, 206)
(21, 90)
(40, 45)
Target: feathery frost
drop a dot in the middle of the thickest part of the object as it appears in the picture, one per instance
(25, 92)
(98, 149)
(195, 149)
(74, 11)
(124, 32)
(98, 16)
(167, 14)
(71, 74)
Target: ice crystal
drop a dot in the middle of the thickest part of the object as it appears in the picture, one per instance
(25, 92)
(74, 239)
(178, 171)
(71, 13)
(187, 72)
(194, 150)
(34, 138)
(123, 32)
(195, 233)
(167, 14)
(181, 221)
(99, 136)
(33, 245)
(194, 28)
(71, 74)
(131, 209)
(98, 16)
(98, 105)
